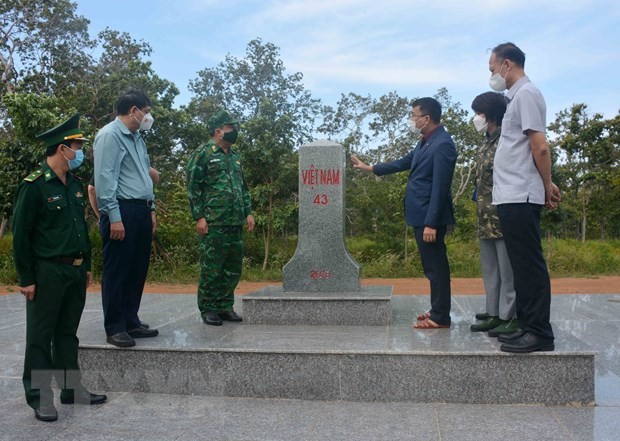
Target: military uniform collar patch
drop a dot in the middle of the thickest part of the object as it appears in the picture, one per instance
(34, 176)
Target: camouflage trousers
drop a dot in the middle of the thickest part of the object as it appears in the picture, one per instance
(221, 259)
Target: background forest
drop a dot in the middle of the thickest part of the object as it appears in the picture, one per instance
(51, 67)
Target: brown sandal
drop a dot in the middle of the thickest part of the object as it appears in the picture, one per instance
(424, 316)
(429, 324)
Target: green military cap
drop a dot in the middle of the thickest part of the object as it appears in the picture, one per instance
(219, 119)
(67, 131)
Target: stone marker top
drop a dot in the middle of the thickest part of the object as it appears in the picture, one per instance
(321, 143)
(321, 262)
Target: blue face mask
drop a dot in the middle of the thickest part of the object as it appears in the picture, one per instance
(77, 161)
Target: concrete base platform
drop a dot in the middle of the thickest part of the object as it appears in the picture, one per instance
(392, 363)
(272, 306)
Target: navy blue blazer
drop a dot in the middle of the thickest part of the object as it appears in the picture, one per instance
(428, 198)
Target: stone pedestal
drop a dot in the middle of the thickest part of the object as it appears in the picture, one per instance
(370, 306)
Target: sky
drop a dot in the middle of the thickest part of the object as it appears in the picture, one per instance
(372, 47)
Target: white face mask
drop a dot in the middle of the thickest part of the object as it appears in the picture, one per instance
(480, 123)
(414, 128)
(497, 82)
(147, 121)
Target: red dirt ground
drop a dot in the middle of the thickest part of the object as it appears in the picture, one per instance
(599, 285)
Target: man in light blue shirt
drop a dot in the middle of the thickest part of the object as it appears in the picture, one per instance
(124, 193)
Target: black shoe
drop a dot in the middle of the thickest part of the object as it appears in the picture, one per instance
(144, 325)
(510, 337)
(46, 413)
(483, 316)
(121, 339)
(142, 332)
(528, 342)
(212, 318)
(84, 397)
(230, 316)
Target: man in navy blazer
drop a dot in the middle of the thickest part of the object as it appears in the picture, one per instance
(428, 202)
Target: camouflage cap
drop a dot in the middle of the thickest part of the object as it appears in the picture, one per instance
(67, 131)
(219, 119)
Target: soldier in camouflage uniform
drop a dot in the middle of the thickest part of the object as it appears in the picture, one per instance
(497, 274)
(220, 203)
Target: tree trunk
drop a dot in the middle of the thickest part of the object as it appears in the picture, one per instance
(267, 234)
(266, 243)
(406, 241)
(5, 222)
(583, 223)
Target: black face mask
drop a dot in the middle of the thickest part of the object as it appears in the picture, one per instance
(231, 136)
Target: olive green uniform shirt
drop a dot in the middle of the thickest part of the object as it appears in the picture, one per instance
(48, 221)
(488, 220)
(216, 187)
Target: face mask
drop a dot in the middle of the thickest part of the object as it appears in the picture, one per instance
(231, 136)
(77, 161)
(147, 121)
(497, 82)
(414, 128)
(480, 123)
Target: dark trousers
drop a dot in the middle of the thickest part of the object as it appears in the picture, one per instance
(52, 320)
(125, 266)
(437, 270)
(521, 229)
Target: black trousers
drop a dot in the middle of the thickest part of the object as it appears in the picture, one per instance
(521, 229)
(125, 266)
(437, 270)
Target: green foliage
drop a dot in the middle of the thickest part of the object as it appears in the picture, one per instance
(180, 264)
(8, 275)
(48, 72)
(572, 258)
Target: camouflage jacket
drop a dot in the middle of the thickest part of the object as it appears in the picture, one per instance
(488, 220)
(216, 187)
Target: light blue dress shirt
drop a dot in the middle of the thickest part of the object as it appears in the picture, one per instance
(121, 168)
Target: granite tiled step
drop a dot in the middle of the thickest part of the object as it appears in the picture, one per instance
(432, 377)
(392, 363)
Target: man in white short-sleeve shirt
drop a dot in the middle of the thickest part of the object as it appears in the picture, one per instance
(522, 185)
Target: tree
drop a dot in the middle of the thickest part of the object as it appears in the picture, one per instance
(590, 158)
(40, 41)
(41, 50)
(277, 115)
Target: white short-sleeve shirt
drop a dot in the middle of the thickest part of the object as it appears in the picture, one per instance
(515, 176)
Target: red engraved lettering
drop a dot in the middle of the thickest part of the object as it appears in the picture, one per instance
(320, 274)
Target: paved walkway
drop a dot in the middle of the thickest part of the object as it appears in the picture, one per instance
(589, 320)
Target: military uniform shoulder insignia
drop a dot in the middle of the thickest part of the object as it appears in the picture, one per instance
(34, 176)
(214, 148)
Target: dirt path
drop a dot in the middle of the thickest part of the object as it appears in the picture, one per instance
(599, 285)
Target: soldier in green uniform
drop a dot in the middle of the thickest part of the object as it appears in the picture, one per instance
(220, 204)
(52, 256)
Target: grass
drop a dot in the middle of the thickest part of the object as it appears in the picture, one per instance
(378, 258)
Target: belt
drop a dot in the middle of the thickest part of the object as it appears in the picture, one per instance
(74, 261)
(141, 202)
